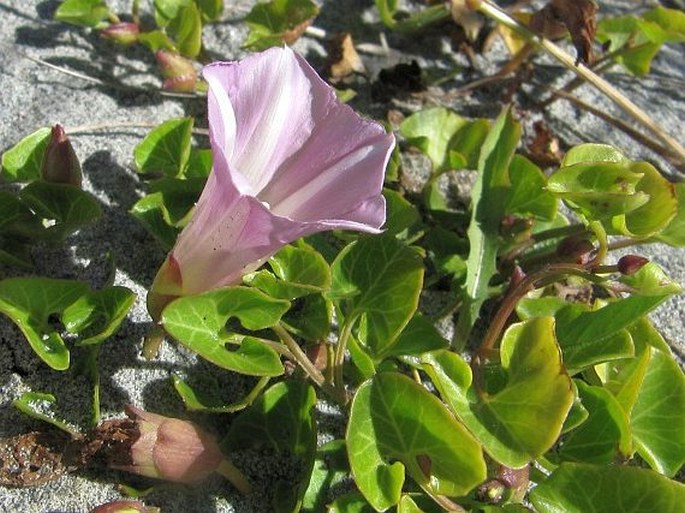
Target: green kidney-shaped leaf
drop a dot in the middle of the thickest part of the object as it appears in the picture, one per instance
(282, 419)
(420, 336)
(17, 219)
(599, 190)
(655, 215)
(199, 323)
(380, 280)
(310, 317)
(23, 161)
(31, 303)
(431, 130)
(674, 233)
(64, 208)
(186, 30)
(651, 280)
(584, 488)
(208, 397)
(658, 415)
(588, 337)
(528, 195)
(151, 212)
(297, 271)
(395, 424)
(97, 315)
(278, 21)
(211, 9)
(330, 470)
(88, 13)
(523, 419)
(166, 149)
(604, 435)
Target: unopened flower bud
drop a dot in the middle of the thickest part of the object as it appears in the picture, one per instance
(124, 33)
(174, 450)
(180, 84)
(179, 73)
(60, 163)
(630, 264)
(124, 507)
(576, 250)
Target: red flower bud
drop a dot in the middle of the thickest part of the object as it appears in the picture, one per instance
(630, 264)
(60, 163)
(123, 33)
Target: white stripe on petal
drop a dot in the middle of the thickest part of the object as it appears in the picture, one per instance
(226, 116)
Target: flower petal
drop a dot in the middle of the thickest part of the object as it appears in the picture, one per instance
(272, 102)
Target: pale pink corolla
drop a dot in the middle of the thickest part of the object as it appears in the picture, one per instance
(289, 160)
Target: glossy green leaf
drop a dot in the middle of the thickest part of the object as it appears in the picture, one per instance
(88, 13)
(41, 406)
(310, 317)
(431, 130)
(634, 41)
(199, 163)
(22, 162)
(281, 419)
(599, 190)
(276, 22)
(395, 424)
(178, 197)
(590, 337)
(32, 303)
(401, 214)
(97, 315)
(211, 9)
(352, 502)
(523, 419)
(166, 149)
(157, 40)
(208, 397)
(167, 10)
(150, 212)
(64, 208)
(15, 253)
(296, 271)
(330, 470)
(592, 152)
(420, 336)
(656, 214)
(186, 30)
(604, 436)
(528, 195)
(584, 488)
(17, 219)
(488, 203)
(378, 279)
(658, 416)
(674, 233)
(199, 323)
(651, 280)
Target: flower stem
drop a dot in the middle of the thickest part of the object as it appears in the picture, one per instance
(495, 13)
(305, 363)
(339, 358)
(230, 471)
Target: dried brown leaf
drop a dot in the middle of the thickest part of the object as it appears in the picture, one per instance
(577, 17)
(343, 59)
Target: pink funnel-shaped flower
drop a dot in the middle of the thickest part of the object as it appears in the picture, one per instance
(289, 160)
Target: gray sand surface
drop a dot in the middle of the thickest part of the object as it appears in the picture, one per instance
(33, 95)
